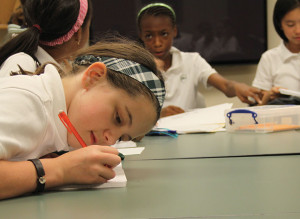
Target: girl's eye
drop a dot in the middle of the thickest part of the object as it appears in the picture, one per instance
(290, 24)
(165, 34)
(118, 119)
(148, 36)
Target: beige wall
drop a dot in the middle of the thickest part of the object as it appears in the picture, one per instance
(241, 73)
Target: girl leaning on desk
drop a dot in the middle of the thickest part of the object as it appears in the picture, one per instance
(106, 96)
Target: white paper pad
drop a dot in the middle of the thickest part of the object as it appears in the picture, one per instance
(131, 151)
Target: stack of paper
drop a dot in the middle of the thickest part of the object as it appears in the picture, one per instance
(209, 119)
(120, 180)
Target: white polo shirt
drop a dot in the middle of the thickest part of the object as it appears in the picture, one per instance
(278, 67)
(188, 69)
(29, 122)
(25, 61)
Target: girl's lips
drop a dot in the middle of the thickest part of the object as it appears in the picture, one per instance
(93, 138)
(158, 53)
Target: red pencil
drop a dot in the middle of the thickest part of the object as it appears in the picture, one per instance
(65, 120)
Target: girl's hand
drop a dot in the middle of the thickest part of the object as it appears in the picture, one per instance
(270, 95)
(233, 88)
(170, 110)
(90, 165)
(247, 94)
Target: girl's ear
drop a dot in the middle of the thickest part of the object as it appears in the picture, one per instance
(78, 36)
(93, 74)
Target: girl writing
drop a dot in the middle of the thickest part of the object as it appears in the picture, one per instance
(106, 96)
(182, 71)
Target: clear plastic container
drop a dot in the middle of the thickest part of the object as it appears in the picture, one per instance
(263, 119)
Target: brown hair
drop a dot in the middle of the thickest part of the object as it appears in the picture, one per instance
(117, 47)
(125, 49)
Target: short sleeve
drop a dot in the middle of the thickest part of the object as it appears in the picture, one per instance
(263, 77)
(203, 70)
(23, 123)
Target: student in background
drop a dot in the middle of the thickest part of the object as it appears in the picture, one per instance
(111, 88)
(182, 71)
(55, 30)
(280, 66)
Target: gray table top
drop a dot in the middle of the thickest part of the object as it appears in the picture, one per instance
(220, 144)
(241, 187)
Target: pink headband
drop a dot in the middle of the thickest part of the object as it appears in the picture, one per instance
(75, 28)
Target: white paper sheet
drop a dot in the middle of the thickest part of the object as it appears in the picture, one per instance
(131, 151)
(125, 144)
(209, 119)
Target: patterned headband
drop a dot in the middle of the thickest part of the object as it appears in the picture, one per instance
(81, 16)
(157, 5)
(132, 69)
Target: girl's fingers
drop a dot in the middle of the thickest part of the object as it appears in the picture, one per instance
(266, 97)
(111, 157)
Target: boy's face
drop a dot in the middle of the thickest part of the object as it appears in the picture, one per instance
(102, 114)
(290, 25)
(157, 33)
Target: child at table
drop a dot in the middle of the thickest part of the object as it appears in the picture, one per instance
(56, 29)
(111, 88)
(182, 71)
(280, 66)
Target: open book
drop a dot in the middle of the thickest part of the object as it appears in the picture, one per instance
(209, 119)
(120, 180)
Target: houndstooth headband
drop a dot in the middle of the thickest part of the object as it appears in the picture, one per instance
(132, 69)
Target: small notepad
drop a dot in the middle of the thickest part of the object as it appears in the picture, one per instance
(120, 180)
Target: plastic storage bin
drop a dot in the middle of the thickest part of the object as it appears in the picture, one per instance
(263, 119)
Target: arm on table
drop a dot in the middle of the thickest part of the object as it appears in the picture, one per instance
(232, 88)
(90, 165)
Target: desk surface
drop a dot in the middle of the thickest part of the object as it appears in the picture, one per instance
(252, 187)
(220, 144)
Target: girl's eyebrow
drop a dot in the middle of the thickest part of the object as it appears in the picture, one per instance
(129, 116)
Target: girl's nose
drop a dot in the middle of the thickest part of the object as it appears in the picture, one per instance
(157, 42)
(110, 139)
(297, 28)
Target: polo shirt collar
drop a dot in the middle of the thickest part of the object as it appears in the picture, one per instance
(175, 57)
(44, 57)
(286, 53)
